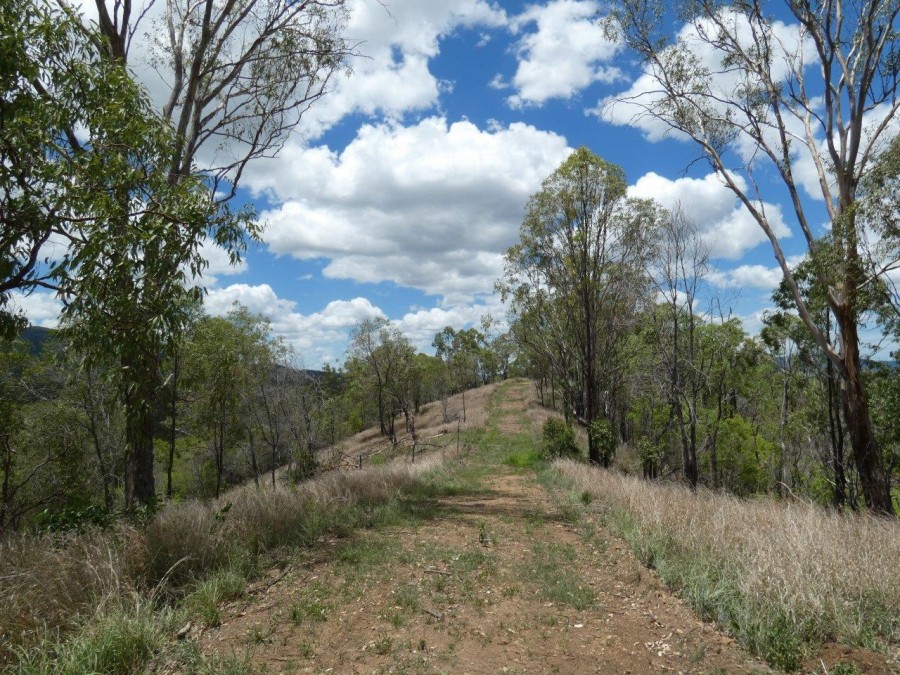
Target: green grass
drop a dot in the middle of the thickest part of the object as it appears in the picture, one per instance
(553, 570)
(204, 602)
(525, 459)
(123, 640)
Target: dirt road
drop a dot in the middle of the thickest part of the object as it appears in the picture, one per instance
(504, 575)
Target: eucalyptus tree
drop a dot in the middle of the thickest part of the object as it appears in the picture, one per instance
(580, 269)
(797, 89)
(240, 75)
(85, 165)
(679, 269)
(379, 360)
(225, 358)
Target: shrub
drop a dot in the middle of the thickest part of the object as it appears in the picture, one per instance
(603, 438)
(559, 439)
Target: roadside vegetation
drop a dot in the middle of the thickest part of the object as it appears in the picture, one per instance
(110, 600)
(775, 575)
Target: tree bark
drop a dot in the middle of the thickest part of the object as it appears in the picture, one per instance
(140, 483)
(866, 453)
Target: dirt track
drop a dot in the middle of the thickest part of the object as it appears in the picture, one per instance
(500, 580)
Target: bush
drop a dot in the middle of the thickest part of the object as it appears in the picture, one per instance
(305, 466)
(603, 438)
(559, 439)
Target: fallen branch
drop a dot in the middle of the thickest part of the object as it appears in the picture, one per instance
(435, 570)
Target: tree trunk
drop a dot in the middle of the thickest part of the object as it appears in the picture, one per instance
(140, 484)
(5, 492)
(779, 478)
(866, 453)
(254, 465)
(837, 444)
(173, 411)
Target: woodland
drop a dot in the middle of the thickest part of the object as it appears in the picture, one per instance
(142, 403)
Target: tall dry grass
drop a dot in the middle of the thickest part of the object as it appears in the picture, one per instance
(780, 575)
(50, 584)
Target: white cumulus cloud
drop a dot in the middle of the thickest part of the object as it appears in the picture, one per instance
(727, 227)
(430, 206)
(566, 53)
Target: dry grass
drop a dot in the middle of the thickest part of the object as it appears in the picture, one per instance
(436, 427)
(47, 582)
(791, 565)
(52, 583)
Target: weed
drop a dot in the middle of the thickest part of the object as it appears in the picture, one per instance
(383, 646)
(553, 571)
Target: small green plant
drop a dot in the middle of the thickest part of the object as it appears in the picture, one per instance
(383, 646)
(559, 439)
(309, 609)
(483, 537)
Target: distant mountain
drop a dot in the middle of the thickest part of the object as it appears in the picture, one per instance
(36, 336)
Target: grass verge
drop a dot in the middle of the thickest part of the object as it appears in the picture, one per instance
(780, 577)
(184, 564)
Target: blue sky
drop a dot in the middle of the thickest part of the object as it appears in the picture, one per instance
(411, 177)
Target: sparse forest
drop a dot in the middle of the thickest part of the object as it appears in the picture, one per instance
(168, 462)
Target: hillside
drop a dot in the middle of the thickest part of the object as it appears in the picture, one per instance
(478, 557)
(497, 569)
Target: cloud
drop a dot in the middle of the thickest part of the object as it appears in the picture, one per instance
(397, 39)
(318, 337)
(42, 307)
(726, 226)
(430, 206)
(744, 276)
(421, 325)
(322, 336)
(566, 53)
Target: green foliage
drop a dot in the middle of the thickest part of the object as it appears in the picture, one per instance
(559, 439)
(77, 514)
(601, 434)
(744, 456)
(651, 455)
(304, 467)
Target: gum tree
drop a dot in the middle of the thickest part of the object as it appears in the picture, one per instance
(812, 93)
(579, 270)
(240, 73)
